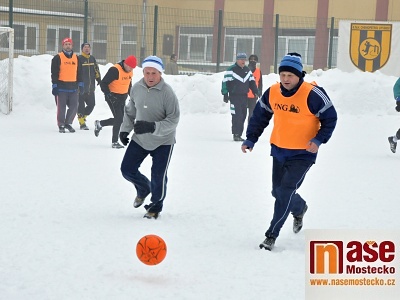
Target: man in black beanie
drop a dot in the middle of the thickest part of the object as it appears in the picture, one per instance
(304, 118)
(251, 98)
(90, 74)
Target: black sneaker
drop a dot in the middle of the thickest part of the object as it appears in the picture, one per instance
(237, 138)
(138, 202)
(268, 243)
(117, 145)
(61, 129)
(97, 128)
(84, 127)
(69, 127)
(151, 215)
(298, 220)
(393, 144)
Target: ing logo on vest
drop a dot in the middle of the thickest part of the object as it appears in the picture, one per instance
(370, 45)
(284, 107)
(69, 63)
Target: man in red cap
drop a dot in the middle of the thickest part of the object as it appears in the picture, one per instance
(116, 85)
(66, 79)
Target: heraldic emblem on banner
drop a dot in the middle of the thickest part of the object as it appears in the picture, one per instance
(370, 45)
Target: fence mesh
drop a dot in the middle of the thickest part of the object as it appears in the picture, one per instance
(202, 40)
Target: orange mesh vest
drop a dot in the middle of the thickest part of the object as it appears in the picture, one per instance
(121, 85)
(68, 68)
(256, 75)
(294, 124)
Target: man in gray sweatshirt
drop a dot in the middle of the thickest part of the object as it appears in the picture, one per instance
(153, 114)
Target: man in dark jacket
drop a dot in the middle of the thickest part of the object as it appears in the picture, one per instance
(304, 118)
(90, 74)
(66, 78)
(252, 99)
(238, 79)
(395, 138)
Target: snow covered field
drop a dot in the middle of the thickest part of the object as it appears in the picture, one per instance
(69, 231)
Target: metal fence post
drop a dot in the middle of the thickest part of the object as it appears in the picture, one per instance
(10, 14)
(143, 46)
(330, 50)
(155, 30)
(276, 43)
(85, 22)
(219, 40)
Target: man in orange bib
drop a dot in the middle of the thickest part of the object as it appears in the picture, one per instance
(66, 79)
(116, 85)
(304, 118)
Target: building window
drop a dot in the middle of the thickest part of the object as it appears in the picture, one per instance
(99, 45)
(55, 35)
(128, 40)
(302, 45)
(247, 40)
(334, 51)
(195, 44)
(26, 37)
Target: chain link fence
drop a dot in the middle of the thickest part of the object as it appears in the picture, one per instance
(204, 41)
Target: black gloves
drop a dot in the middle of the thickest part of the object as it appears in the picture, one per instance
(98, 81)
(397, 106)
(54, 90)
(226, 98)
(141, 127)
(123, 136)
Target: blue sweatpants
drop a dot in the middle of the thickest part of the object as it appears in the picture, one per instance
(287, 177)
(134, 156)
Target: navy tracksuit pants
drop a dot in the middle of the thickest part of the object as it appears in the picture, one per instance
(134, 156)
(287, 177)
(238, 107)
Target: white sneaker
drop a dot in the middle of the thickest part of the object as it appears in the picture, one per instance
(138, 202)
(117, 145)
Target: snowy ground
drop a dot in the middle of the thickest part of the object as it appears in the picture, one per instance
(69, 231)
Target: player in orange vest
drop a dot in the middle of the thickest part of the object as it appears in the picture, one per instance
(304, 118)
(66, 78)
(251, 98)
(116, 85)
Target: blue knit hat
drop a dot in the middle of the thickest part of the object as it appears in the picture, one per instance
(291, 62)
(241, 55)
(153, 62)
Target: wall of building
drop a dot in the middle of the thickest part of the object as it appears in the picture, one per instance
(194, 22)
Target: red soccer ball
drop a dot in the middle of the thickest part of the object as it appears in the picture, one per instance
(151, 249)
